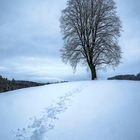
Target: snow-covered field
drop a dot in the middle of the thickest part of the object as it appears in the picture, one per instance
(88, 110)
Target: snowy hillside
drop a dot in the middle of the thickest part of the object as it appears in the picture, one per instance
(88, 110)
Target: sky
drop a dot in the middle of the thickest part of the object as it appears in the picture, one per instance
(30, 41)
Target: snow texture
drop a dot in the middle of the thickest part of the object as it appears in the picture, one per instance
(101, 110)
(40, 126)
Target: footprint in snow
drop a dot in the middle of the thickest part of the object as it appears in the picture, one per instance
(39, 127)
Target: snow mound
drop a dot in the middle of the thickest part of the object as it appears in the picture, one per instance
(87, 110)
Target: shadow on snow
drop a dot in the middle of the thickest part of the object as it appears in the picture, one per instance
(38, 127)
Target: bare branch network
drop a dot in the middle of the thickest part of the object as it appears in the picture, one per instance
(91, 29)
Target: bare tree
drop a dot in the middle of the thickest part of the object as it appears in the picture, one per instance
(91, 29)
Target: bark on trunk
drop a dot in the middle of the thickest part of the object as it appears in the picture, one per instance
(93, 73)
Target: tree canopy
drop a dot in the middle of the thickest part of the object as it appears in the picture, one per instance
(91, 29)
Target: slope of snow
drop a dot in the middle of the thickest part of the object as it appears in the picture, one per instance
(88, 110)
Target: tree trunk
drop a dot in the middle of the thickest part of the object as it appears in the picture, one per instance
(93, 73)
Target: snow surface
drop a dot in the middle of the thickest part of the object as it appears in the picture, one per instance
(87, 110)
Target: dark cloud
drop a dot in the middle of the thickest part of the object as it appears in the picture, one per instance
(30, 39)
(132, 8)
(26, 29)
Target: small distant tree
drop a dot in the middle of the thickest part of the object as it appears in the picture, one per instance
(90, 31)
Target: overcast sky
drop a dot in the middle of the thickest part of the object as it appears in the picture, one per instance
(30, 40)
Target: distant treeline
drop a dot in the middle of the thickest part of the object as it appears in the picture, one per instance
(126, 77)
(7, 85)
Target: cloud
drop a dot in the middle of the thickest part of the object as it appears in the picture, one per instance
(37, 68)
(30, 28)
(30, 40)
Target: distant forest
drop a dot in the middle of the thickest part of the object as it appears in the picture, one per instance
(8, 85)
(126, 77)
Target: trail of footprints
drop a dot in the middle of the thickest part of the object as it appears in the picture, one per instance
(38, 127)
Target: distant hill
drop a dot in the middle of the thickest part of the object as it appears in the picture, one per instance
(126, 77)
(7, 85)
(84, 110)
